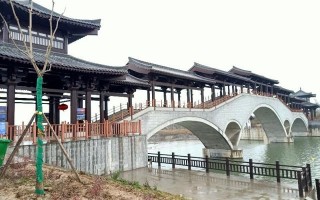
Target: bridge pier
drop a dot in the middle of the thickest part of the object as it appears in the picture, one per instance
(214, 153)
(288, 139)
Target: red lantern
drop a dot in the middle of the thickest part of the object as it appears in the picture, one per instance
(63, 106)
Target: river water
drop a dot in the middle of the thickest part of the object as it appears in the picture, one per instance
(303, 150)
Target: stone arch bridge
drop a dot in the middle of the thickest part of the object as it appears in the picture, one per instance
(219, 128)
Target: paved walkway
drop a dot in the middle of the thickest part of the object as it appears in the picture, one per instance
(200, 185)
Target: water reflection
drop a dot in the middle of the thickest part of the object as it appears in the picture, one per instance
(303, 150)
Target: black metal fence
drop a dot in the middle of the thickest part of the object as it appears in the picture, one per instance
(299, 173)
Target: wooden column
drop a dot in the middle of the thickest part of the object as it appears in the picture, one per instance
(241, 89)
(229, 90)
(202, 94)
(11, 87)
(153, 94)
(56, 115)
(101, 106)
(148, 97)
(248, 87)
(188, 97)
(221, 92)
(80, 101)
(191, 97)
(179, 97)
(172, 96)
(224, 89)
(105, 113)
(130, 100)
(164, 90)
(213, 92)
(73, 105)
(255, 87)
(51, 109)
(88, 105)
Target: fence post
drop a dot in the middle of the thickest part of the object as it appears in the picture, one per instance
(300, 184)
(173, 161)
(189, 161)
(228, 166)
(87, 129)
(251, 168)
(207, 163)
(63, 129)
(318, 188)
(305, 179)
(278, 171)
(159, 163)
(309, 176)
(34, 133)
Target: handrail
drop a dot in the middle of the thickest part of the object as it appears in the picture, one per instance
(66, 131)
(300, 173)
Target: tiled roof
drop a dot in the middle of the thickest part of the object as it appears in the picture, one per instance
(248, 73)
(44, 12)
(131, 80)
(282, 89)
(218, 71)
(60, 61)
(169, 71)
(309, 105)
(302, 93)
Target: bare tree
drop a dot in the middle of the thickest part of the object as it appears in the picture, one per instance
(27, 49)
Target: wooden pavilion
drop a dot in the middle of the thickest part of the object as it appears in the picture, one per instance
(74, 80)
(70, 79)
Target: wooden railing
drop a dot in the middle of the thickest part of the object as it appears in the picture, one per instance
(300, 173)
(67, 131)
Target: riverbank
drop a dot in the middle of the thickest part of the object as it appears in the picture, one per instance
(19, 183)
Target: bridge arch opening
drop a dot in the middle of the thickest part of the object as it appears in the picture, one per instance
(209, 134)
(299, 127)
(232, 131)
(286, 125)
(271, 124)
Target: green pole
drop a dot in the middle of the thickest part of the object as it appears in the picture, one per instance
(39, 157)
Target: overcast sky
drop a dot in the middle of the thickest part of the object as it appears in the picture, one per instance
(279, 39)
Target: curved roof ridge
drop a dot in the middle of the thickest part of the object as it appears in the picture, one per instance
(132, 80)
(60, 60)
(169, 70)
(237, 68)
(196, 64)
(301, 93)
(250, 73)
(25, 4)
(149, 64)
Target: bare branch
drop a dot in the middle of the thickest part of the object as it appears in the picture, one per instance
(28, 50)
(52, 35)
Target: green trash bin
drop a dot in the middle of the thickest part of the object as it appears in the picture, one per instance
(3, 149)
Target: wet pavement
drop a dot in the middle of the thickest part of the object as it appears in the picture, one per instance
(201, 185)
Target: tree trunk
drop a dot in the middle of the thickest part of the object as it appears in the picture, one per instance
(39, 157)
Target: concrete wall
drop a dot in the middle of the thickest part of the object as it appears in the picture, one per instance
(253, 133)
(95, 156)
(314, 132)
